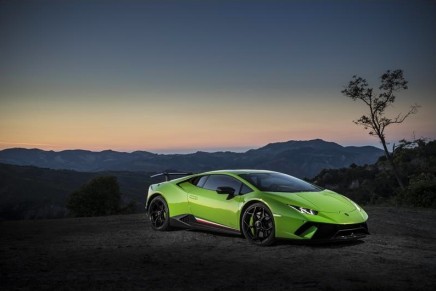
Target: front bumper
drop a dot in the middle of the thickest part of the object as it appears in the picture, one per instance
(327, 231)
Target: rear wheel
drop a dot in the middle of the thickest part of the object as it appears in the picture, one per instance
(159, 214)
(258, 225)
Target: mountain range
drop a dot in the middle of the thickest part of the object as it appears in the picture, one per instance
(298, 158)
(36, 183)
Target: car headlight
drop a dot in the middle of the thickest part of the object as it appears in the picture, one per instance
(304, 210)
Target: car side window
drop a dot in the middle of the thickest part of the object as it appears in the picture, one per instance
(215, 181)
(199, 181)
(245, 189)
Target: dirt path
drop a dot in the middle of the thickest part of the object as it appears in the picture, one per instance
(122, 252)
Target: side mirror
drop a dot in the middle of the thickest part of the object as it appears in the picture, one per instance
(225, 190)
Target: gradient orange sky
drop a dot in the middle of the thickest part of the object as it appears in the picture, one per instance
(167, 76)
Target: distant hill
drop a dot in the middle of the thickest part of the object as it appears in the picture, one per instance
(28, 192)
(298, 158)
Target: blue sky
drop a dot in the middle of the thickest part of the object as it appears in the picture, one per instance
(176, 76)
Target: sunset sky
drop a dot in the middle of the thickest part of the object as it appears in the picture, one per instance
(182, 76)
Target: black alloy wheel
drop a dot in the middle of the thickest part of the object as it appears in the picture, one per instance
(258, 225)
(159, 214)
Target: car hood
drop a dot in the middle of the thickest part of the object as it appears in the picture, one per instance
(325, 200)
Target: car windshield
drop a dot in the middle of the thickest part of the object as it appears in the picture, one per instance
(277, 182)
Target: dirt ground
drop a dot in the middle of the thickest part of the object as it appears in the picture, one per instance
(122, 252)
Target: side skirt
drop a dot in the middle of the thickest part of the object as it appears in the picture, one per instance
(191, 222)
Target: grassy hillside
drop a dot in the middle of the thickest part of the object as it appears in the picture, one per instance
(30, 192)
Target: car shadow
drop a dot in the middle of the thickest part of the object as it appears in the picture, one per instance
(221, 234)
(321, 244)
(283, 242)
(175, 229)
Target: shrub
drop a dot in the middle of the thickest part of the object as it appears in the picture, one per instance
(420, 192)
(101, 196)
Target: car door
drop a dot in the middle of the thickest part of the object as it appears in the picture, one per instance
(205, 202)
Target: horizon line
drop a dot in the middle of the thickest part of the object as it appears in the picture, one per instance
(236, 149)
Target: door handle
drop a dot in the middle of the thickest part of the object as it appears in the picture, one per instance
(193, 197)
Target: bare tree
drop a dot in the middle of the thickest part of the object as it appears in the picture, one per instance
(376, 120)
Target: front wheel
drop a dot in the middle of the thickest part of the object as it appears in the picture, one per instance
(159, 214)
(258, 225)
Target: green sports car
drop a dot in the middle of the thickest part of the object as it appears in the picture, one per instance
(261, 205)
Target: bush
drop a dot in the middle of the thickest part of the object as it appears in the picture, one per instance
(421, 191)
(101, 196)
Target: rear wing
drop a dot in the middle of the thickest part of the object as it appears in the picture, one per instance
(168, 175)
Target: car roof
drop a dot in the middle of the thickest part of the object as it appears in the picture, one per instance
(238, 171)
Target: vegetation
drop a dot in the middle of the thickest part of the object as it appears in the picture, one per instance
(101, 196)
(376, 184)
(376, 119)
(28, 192)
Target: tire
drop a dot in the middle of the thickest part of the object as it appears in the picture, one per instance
(257, 225)
(159, 214)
